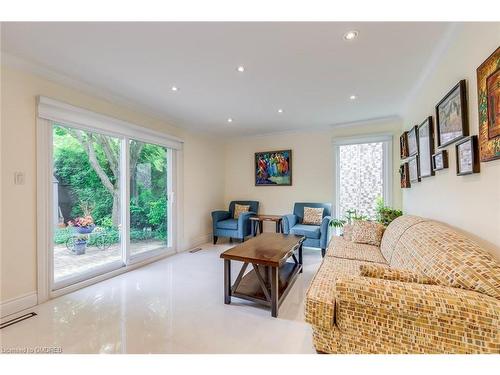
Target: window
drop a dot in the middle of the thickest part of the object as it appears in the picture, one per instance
(105, 195)
(362, 174)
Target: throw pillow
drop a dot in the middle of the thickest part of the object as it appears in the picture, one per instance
(369, 232)
(347, 232)
(312, 216)
(396, 274)
(239, 209)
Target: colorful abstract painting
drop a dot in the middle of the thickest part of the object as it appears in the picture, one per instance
(273, 168)
(488, 92)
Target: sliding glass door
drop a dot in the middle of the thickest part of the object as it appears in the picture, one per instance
(109, 202)
(149, 191)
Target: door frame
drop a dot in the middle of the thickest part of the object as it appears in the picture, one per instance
(50, 111)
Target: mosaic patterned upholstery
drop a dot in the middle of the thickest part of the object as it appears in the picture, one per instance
(396, 274)
(350, 313)
(394, 231)
(340, 248)
(320, 301)
(436, 250)
(368, 232)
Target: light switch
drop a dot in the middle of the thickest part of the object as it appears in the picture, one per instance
(19, 178)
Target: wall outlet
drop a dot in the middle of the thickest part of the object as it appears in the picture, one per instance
(19, 178)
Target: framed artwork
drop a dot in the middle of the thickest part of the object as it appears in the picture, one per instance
(413, 170)
(413, 141)
(467, 156)
(403, 145)
(488, 94)
(440, 160)
(426, 147)
(451, 116)
(405, 176)
(273, 168)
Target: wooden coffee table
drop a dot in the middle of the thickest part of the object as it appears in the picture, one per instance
(272, 276)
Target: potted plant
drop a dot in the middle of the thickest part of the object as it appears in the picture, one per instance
(80, 245)
(349, 218)
(385, 215)
(83, 225)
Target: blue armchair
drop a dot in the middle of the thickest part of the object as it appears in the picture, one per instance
(316, 235)
(224, 224)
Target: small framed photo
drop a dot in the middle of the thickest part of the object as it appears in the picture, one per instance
(426, 147)
(451, 116)
(440, 160)
(405, 176)
(467, 156)
(403, 145)
(413, 141)
(413, 169)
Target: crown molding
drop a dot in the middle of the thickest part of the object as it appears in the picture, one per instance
(319, 129)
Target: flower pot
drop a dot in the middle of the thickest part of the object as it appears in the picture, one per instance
(85, 230)
(80, 246)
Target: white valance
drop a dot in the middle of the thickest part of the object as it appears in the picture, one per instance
(54, 110)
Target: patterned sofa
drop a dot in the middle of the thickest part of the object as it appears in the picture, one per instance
(457, 311)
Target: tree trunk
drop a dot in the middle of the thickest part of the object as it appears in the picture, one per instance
(115, 213)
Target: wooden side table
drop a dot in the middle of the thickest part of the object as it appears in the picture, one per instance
(258, 223)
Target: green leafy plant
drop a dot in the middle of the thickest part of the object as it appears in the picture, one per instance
(350, 217)
(385, 215)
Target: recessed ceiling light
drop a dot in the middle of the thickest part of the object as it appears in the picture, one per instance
(241, 69)
(353, 97)
(280, 110)
(350, 35)
(175, 88)
(229, 119)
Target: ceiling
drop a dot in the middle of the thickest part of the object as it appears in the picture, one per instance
(306, 69)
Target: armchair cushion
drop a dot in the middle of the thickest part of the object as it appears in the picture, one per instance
(239, 209)
(313, 215)
(309, 231)
(228, 224)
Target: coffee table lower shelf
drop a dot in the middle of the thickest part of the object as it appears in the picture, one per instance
(270, 289)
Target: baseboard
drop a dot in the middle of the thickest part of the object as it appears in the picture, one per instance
(197, 241)
(14, 305)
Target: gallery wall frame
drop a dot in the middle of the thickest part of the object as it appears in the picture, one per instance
(488, 94)
(426, 147)
(440, 160)
(467, 156)
(452, 119)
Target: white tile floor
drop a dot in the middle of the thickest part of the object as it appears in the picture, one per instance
(172, 306)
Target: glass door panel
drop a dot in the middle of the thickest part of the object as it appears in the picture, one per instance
(149, 187)
(86, 204)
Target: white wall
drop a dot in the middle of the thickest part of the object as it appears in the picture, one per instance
(470, 203)
(312, 166)
(18, 153)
